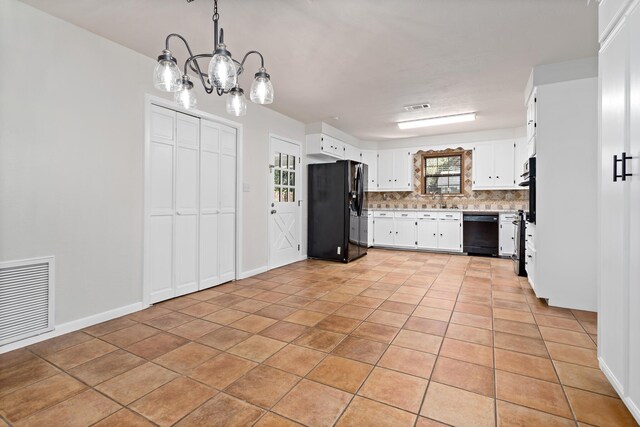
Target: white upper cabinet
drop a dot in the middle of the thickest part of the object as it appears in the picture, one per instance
(370, 158)
(394, 170)
(385, 170)
(321, 145)
(483, 166)
(352, 153)
(494, 166)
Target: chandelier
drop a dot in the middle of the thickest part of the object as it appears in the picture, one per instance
(221, 78)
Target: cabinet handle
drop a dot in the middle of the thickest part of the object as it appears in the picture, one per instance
(624, 173)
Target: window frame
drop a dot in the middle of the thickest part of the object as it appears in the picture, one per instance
(423, 169)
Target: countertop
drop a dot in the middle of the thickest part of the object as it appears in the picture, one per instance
(469, 210)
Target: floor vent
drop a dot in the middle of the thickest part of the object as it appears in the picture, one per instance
(26, 298)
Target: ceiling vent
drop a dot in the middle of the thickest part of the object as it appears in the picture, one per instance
(416, 107)
(26, 298)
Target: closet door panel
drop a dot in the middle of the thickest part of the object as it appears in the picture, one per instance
(209, 254)
(161, 176)
(209, 204)
(160, 255)
(227, 248)
(187, 179)
(228, 170)
(633, 23)
(186, 247)
(161, 258)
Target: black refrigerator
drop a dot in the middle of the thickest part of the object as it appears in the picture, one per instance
(337, 216)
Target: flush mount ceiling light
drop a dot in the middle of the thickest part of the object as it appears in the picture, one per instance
(435, 121)
(221, 77)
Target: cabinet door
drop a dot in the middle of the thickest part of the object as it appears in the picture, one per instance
(521, 158)
(405, 230)
(383, 231)
(614, 287)
(352, 153)
(338, 148)
(503, 164)
(385, 170)
(427, 233)
(402, 170)
(449, 235)
(531, 116)
(483, 166)
(370, 159)
(507, 238)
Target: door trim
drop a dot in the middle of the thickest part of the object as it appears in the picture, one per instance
(300, 189)
(150, 100)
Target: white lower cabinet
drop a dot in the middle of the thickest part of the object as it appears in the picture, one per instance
(450, 234)
(427, 233)
(507, 235)
(383, 232)
(418, 230)
(405, 229)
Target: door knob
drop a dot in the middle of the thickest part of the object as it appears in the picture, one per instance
(273, 211)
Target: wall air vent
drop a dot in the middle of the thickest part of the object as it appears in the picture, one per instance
(26, 298)
(416, 107)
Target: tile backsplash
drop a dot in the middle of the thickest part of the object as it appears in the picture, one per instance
(470, 199)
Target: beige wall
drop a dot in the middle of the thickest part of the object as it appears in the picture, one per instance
(71, 159)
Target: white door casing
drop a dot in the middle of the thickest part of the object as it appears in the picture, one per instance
(284, 208)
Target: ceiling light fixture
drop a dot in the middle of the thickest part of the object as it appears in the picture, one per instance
(222, 75)
(435, 121)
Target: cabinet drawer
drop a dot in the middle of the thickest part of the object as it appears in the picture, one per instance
(383, 214)
(530, 235)
(433, 215)
(450, 216)
(509, 217)
(405, 215)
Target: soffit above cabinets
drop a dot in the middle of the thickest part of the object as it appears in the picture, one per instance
(363, 60)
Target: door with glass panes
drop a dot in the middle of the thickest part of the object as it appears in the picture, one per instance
(284, 207)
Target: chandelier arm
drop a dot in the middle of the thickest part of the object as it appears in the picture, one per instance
(192, 57)
(249, 53)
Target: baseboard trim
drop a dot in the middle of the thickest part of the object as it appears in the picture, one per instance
(253, 272)
(75, 325)
(617, 385)
(631, 405)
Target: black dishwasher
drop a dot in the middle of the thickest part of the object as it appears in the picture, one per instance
(480, 233)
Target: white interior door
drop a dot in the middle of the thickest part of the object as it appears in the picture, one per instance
(160, 198)
(186, 233)
(209, 203)
(284, 208)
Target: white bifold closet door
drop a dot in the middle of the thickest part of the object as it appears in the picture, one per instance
(192, 204)
(217, 203)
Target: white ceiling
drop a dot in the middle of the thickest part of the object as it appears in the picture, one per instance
(363, 60)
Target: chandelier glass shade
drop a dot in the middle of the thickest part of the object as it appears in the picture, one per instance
(222, 76)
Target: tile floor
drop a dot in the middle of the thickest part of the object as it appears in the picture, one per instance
(396, 338)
